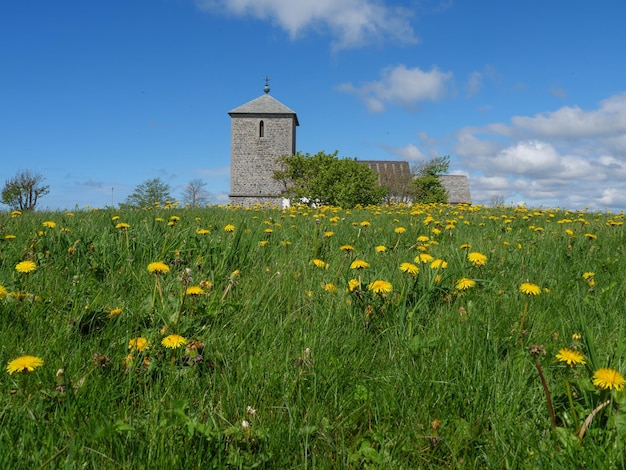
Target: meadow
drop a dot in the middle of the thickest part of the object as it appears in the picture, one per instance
(380, 337)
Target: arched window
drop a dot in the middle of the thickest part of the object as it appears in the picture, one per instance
(261, 129)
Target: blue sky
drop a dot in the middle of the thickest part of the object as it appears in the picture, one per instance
(527, 98)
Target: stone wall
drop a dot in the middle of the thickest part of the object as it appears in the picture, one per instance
(253, 158)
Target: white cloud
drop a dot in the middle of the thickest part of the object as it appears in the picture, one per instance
(569, 158)
(531, 158)
(572, 121)
(352, 23)
(410, 153)
(401, 86)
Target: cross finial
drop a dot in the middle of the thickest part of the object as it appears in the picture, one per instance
(266, 88)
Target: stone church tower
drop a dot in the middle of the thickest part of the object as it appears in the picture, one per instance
(261, 131)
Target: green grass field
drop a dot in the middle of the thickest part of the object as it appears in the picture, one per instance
(305, 338)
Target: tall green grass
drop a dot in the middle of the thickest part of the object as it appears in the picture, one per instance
(296, 371)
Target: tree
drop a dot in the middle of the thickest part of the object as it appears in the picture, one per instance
(399, 185)
(194, 193)
(325, 179)
(148, 194)
(24, 190)
(427, 186)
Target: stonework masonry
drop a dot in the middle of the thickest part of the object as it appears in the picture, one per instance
(261, 131)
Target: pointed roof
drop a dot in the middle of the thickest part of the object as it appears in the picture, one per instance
(264, 104)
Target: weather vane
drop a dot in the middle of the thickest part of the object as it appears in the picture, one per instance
(266, 88)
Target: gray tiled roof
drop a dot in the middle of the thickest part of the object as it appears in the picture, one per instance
(264, 104)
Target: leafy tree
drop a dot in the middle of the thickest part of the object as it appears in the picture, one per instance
(194, 193)
(427, 185)
(148, 194)
(24, 190)
(325, 179)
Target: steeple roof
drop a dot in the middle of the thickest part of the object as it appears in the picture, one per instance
(264, 104)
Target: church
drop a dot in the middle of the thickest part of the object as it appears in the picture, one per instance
(263, 130)
(260, 131)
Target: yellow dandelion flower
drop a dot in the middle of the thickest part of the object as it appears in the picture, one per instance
(24, 364)
(115, 312)
(588, 275)
(529, 288)
(229, 228)
(365, 223)
(268, 230)
(202, 231)
(9, 237)
(263, 242)
(320, 263)
(424, 258)
(570, 357)
(381, 249)
(465, 246)
(158, 267)
(590, 236)
(3, 292)
(477, 259)
(138, 344)
(465, 283)
(409, 268)
(49, 224)
(122, 226)
(206, 285)
(115, 217)
(380, 287)
(194, 290)
(25, 267)
(346, 248)
(173, 341)
(400, 230)
(328, 234)
(329, 287)
(436, 231)
(608, 379)
(439, 264)
(422, 239)
(353, 284)
(159, 219)
(359, 264)
(15, 214)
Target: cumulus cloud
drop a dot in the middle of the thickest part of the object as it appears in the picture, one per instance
(351, 23)
(570, 157)
(572, 121)
(410, 153)
(401, 86)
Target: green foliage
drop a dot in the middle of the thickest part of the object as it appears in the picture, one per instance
(150, 193)
(427, 186)
(22, 192)
(285, 366)
(324, 179)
